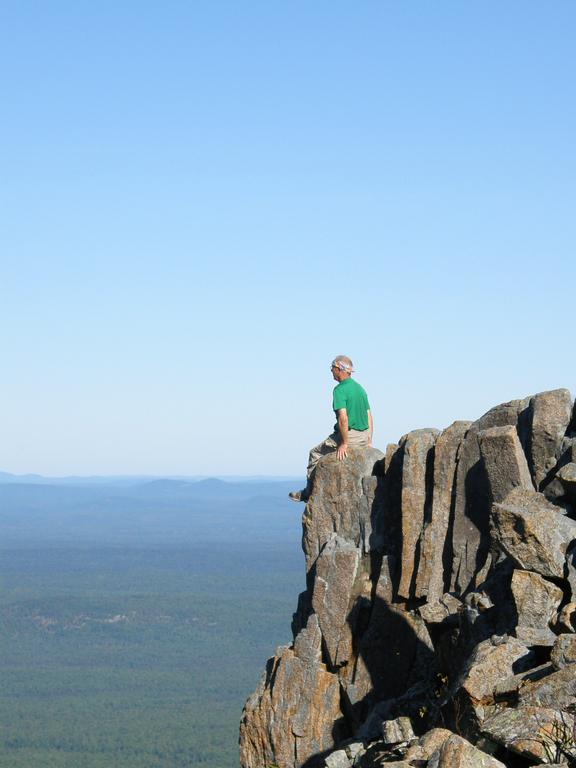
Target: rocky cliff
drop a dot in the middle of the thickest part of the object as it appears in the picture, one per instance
(438, 624)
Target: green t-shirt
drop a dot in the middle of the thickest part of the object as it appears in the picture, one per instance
(350, 395)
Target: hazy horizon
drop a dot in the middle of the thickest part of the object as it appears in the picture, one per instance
(153, 476)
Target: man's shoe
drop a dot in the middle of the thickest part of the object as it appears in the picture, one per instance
(299, 495)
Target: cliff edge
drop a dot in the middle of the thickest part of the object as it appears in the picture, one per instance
(438, 624)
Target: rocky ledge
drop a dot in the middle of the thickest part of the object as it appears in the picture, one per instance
(438, 627)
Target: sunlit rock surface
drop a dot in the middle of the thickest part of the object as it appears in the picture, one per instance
(437, 625)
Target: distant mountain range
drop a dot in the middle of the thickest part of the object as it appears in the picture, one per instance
(140, 511)
(7, 477)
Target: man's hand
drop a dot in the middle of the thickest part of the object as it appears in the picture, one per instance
(342, 451)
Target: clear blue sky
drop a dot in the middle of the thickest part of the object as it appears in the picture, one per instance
(201, 203)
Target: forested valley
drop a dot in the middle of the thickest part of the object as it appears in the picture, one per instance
(120, 654)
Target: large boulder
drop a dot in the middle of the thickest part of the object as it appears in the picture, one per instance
(533, 532)
(308, 642)
(507, 689)
(427, 745)
(486, 667)
(397, 731)
(338, 759)
(571, 568)
(488, 664)
(530, 731)
(332, 598)
(456, 752)
(537, 602)
(504, 461)
(447, 607)
(564, 651)
(551, 414)
(291, 715)
(338, 502)
(567, 477)
(566, 621)
(557, 690)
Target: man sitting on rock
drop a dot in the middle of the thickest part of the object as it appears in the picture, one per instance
(354, 425)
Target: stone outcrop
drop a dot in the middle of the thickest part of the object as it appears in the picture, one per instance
(416, 500)
(438, 624)
(537, 602)
(430, 582)
(333, 596)
(293, 711)
(470, 528)
(564, 651)
(533, 533)
(551, 414)
(458, 753)
(488, 663)
(531, 732)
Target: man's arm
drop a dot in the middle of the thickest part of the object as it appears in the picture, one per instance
(342, 450)
(370, 428)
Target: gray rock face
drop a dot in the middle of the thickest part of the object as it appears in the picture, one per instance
(437, 612)
(308, 642)
(557, 690)
(291, 715)
(567, 477)
(507, 690)
(566, 621)
(528, 731)
(332, 598)
(537, 602)
(504, 461)
(432, 573)
(487, 665)
(397, 731)
(568, 447)
(339, 503)
(551, 414)
(355, 749)
(564, 651)
(338, 759)
(417, 481)
(571, 568)
(533, 532)
(430, 743)
(552, 765)
(377, 675)
(456, 752)
(432, 579)
(470, 537)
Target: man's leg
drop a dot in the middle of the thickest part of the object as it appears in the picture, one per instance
(322, 449)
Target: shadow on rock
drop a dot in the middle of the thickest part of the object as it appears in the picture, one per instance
(390, 675)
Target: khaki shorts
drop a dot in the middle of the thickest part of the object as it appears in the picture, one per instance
(356, 439)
